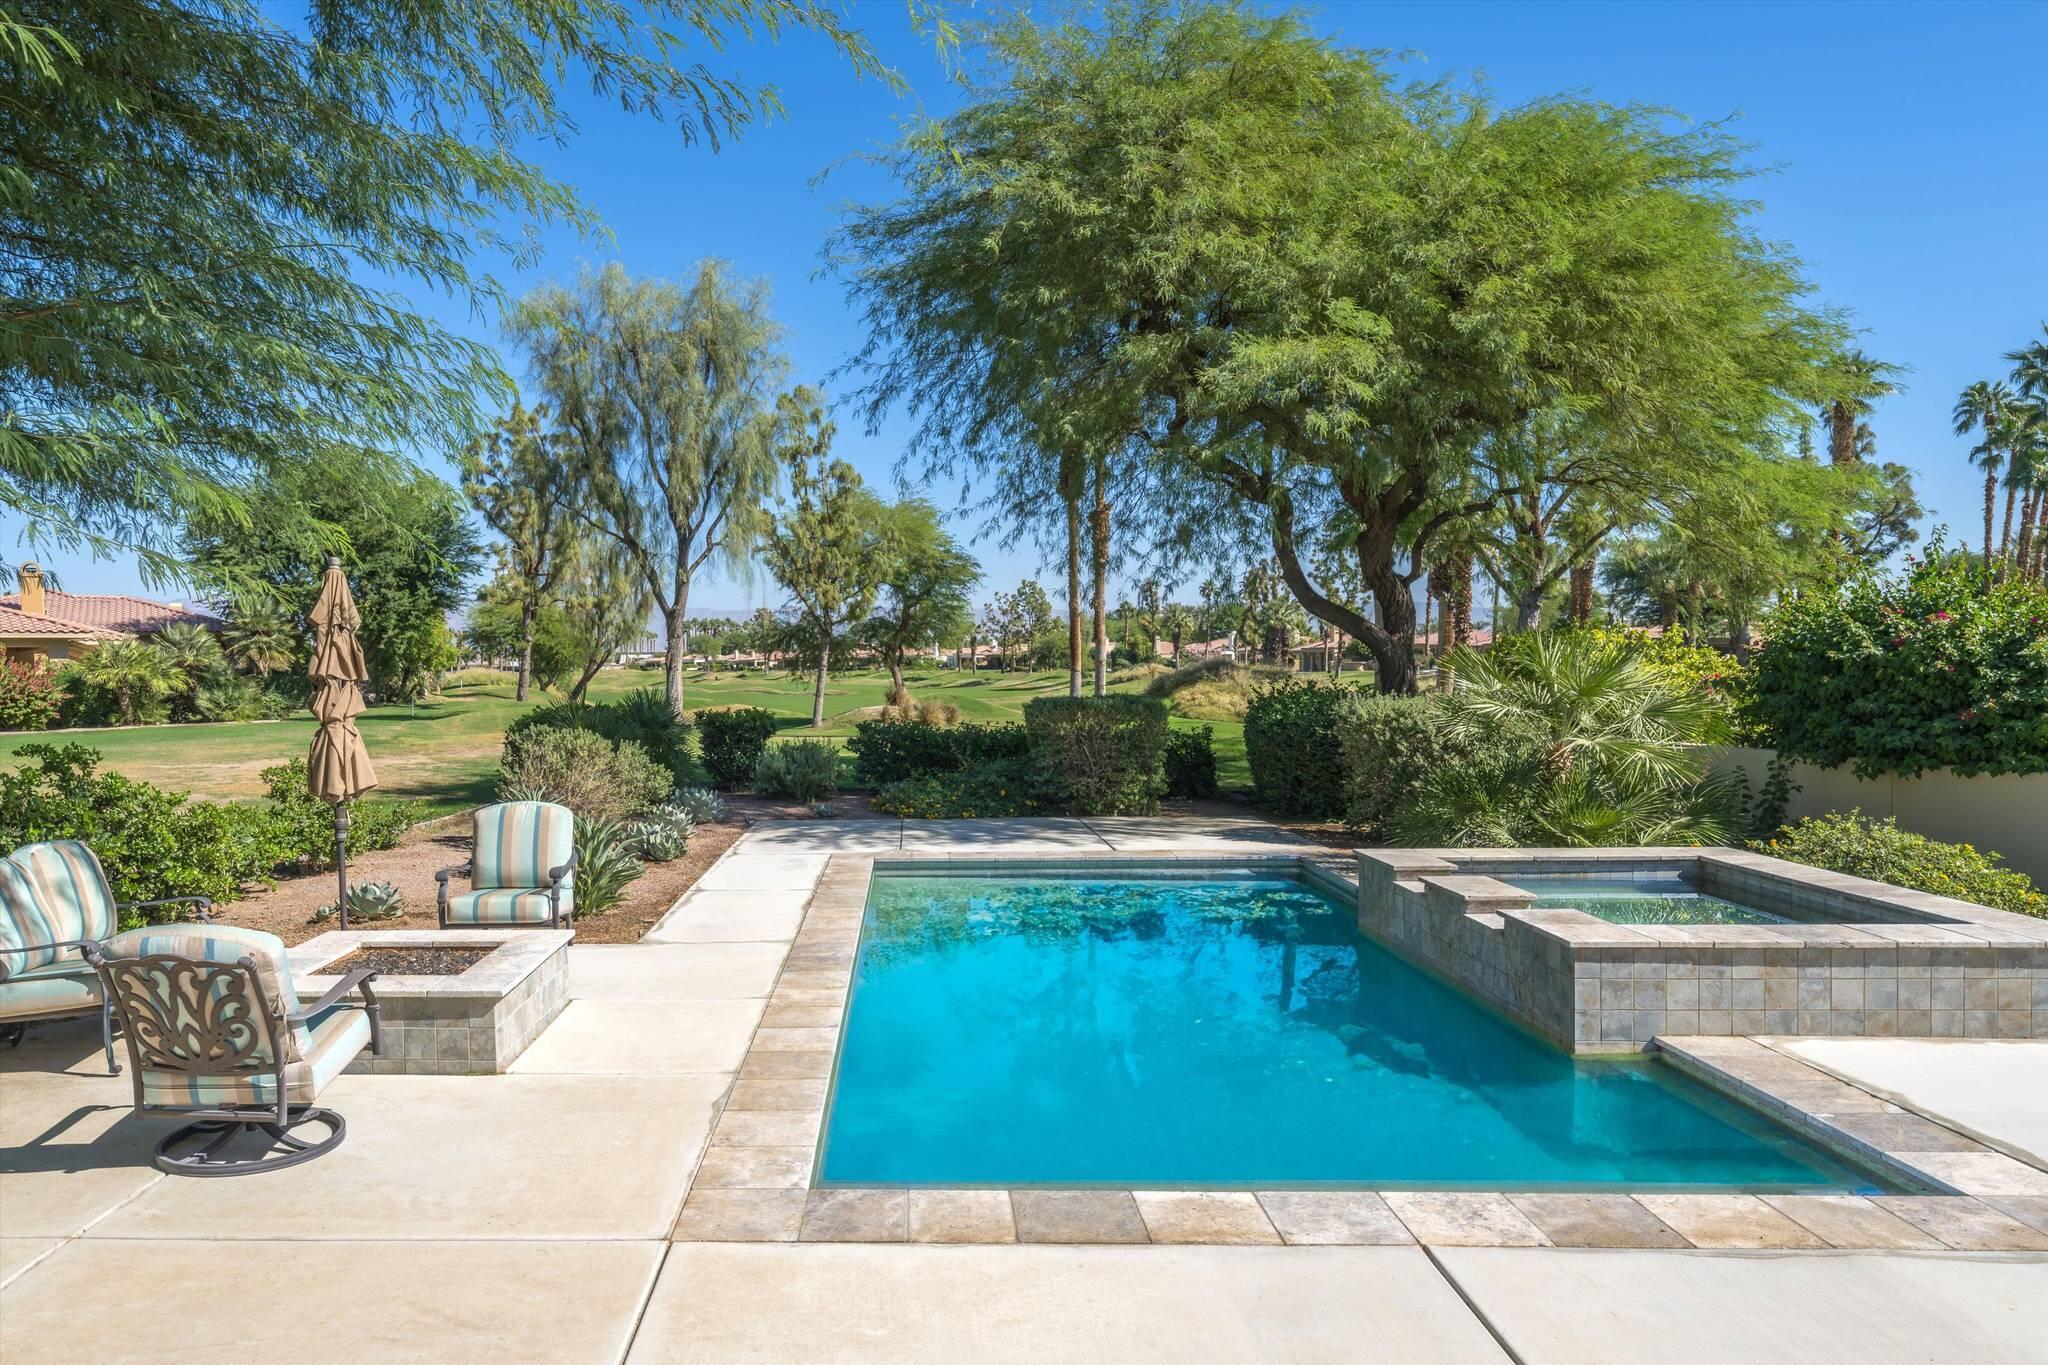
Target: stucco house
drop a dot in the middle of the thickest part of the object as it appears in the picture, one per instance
(38, 624)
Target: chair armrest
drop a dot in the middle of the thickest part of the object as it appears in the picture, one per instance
(555, 874)
(79, 943)
(459, 870)
(359, 979)
(205, 904)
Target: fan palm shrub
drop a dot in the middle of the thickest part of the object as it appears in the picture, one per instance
(1572, 740)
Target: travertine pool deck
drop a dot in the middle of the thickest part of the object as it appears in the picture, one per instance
(636, 1187)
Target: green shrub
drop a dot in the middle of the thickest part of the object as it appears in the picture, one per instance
(366, 901)
(153, 843)
(581, 769)
(1291, 741)
(641, 717)
(801, 770)
(1190, 764)
(994, 790)
(605, 864)
(1880, 850)
(29, 699)
(1900, 675)
(1387, 747)
(1097, 755)
(306, 823)
(732, 742)
(888, 751)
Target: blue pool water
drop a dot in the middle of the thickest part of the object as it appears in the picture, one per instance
(1641, 900)
(1234, 1033)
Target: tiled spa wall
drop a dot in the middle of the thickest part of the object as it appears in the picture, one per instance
(1868, 960)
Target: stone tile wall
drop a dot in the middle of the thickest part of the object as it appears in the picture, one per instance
(1890, 963)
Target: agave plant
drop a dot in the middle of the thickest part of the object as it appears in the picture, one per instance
(657, 841)
(605, 863)
(701, 804)
(367, 901)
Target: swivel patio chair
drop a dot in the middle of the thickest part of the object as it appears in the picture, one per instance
(522, 868)
(54, 899)
(215, 1034)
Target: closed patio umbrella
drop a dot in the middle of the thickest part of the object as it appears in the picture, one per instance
(338, 766)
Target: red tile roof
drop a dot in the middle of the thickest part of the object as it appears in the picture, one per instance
(115, 613)
(16, 624)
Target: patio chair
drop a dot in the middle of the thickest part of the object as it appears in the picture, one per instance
(54, 899)
(216, 1034)
(521, 868)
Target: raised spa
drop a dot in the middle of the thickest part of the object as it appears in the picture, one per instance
(1235, 1031)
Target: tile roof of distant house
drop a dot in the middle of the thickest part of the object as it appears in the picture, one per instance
(16, 624)
(114, 613)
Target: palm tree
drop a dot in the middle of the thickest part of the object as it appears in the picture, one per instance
(262, 638)
(2027, 472)
(1984, 404)
(2030, 366)
(133, 671)
(1856, 383)
(1178, 621)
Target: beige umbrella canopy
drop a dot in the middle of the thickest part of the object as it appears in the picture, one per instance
(338, 766)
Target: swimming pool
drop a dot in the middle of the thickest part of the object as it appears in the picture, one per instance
(1231, 1032)
(1640, 899)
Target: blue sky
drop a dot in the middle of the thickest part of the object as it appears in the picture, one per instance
(1904, 141)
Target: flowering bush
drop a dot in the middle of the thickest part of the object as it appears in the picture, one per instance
(1899, 675)
(29, 697)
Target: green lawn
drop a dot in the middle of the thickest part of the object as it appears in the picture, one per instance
(445, 751)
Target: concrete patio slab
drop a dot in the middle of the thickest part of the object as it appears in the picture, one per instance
(434, 1158)
(71, 1150)
(746, 868)
(732, 917)
(906, 1305)
(643, 1038)
(1995, 1091)
(1023, 834)
(343, 1302)
(825, 836)
(698, 971)
(17, 1254)
(1688, 1308)
(1191, 834)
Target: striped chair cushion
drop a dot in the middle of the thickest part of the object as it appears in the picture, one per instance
(226, 943)
(68, 987)
(331, 1044)
(516, 842)
(67, 898)
(507, 905)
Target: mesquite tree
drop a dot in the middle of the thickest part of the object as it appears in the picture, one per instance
(665, 397)
(516, 478)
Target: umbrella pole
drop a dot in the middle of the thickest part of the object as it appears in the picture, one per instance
(341, 857)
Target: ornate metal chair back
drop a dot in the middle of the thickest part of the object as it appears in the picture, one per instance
(193, 1017)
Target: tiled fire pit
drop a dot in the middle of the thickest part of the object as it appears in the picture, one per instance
(476, 1021)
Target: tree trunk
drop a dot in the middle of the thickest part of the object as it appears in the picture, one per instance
(1396, 671)
(1696, 612)
(677, 639)
(818, 688)
(1529, 608)
(526, 606)
(1990, 504)
(1582, 592)
(1074, 591)
(1098, 525)
(2005, 531)
(898, 693)
(590, 668)
(1841, 419)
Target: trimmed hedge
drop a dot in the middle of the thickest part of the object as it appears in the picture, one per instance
(1098, 755)
(1002, 788)
(1387, 747)
(1932, 670)
(1190, 764)
(640, 717)
(801, 770)
(1291, 738)
(731, 743)
(887, 751)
